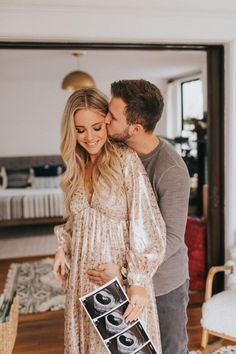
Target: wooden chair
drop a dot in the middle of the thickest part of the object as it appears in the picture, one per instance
(219, 310)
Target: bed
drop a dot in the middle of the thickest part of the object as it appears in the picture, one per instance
(29, 203)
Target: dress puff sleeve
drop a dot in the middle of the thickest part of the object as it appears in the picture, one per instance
(63, 234)
(147, 232)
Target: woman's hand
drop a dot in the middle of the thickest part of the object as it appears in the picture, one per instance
(138, 301)
(59, 267)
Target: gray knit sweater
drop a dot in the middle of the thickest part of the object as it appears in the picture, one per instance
(171, 184)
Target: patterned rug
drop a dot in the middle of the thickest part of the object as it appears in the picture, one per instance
(36, 286)
(223, 350)
(226, 350)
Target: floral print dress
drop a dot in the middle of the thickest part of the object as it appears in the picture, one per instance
(126, 229)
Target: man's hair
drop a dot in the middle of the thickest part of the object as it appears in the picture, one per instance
(144, 102)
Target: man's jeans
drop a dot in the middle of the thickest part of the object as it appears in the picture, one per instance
(172, 312)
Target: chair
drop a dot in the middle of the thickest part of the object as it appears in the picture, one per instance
(219, 310)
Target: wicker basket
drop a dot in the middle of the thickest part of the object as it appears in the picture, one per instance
(8, 329)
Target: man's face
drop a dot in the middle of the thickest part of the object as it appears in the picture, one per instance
(117, 126)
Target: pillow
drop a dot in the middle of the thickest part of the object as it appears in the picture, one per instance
(47, 170)
(3, 178)
(47, 176)
(18, 178)
(46, 182)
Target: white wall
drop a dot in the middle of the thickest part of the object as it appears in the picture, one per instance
(173, 102)
(230, 146)
(182, 21)
(185, 21)
(30, 118)
(32, 105)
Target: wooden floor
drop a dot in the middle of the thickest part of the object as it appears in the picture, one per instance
(42, 333)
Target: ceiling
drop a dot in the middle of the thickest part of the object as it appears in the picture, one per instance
(51, 64)
(200, 6)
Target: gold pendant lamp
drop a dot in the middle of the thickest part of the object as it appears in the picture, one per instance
(77, 79)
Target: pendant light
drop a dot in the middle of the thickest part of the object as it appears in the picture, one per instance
(77, 79)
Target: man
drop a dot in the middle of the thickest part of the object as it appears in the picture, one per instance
(135, 108)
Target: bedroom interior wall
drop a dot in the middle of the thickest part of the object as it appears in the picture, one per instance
(31, 112)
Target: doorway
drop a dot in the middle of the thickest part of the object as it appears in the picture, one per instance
(215, 123)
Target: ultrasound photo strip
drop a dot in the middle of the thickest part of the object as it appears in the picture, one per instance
(112, 323)
(104, 299)
(147, 348)
(128, 341)
(105, 307)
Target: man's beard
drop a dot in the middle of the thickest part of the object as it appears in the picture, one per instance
(120, 137)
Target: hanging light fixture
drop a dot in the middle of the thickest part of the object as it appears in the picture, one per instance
(77, 79)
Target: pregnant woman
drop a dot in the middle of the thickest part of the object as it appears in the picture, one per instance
(112, 216)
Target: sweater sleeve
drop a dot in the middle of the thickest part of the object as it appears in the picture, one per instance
(173, 199)
(147, 235)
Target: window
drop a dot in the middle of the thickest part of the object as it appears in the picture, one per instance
(192, 100)
(192, 113)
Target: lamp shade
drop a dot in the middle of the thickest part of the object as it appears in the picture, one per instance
(76, 80)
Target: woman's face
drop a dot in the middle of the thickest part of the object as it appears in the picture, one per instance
(91, 131)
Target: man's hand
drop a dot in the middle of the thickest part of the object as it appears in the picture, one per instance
(138, 301)
(104, 273)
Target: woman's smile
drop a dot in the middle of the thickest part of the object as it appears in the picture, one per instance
(92, 144)
(91, 131)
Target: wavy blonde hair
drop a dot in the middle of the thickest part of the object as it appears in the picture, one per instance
(107, 169)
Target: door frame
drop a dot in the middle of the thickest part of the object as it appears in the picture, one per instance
(215, 127)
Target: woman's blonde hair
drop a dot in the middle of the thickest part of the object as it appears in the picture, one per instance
(107, 168)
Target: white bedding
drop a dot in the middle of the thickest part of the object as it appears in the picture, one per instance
(30, 203)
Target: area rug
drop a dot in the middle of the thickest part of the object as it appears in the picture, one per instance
(226, 350)
(36, 286)
(223, 350)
